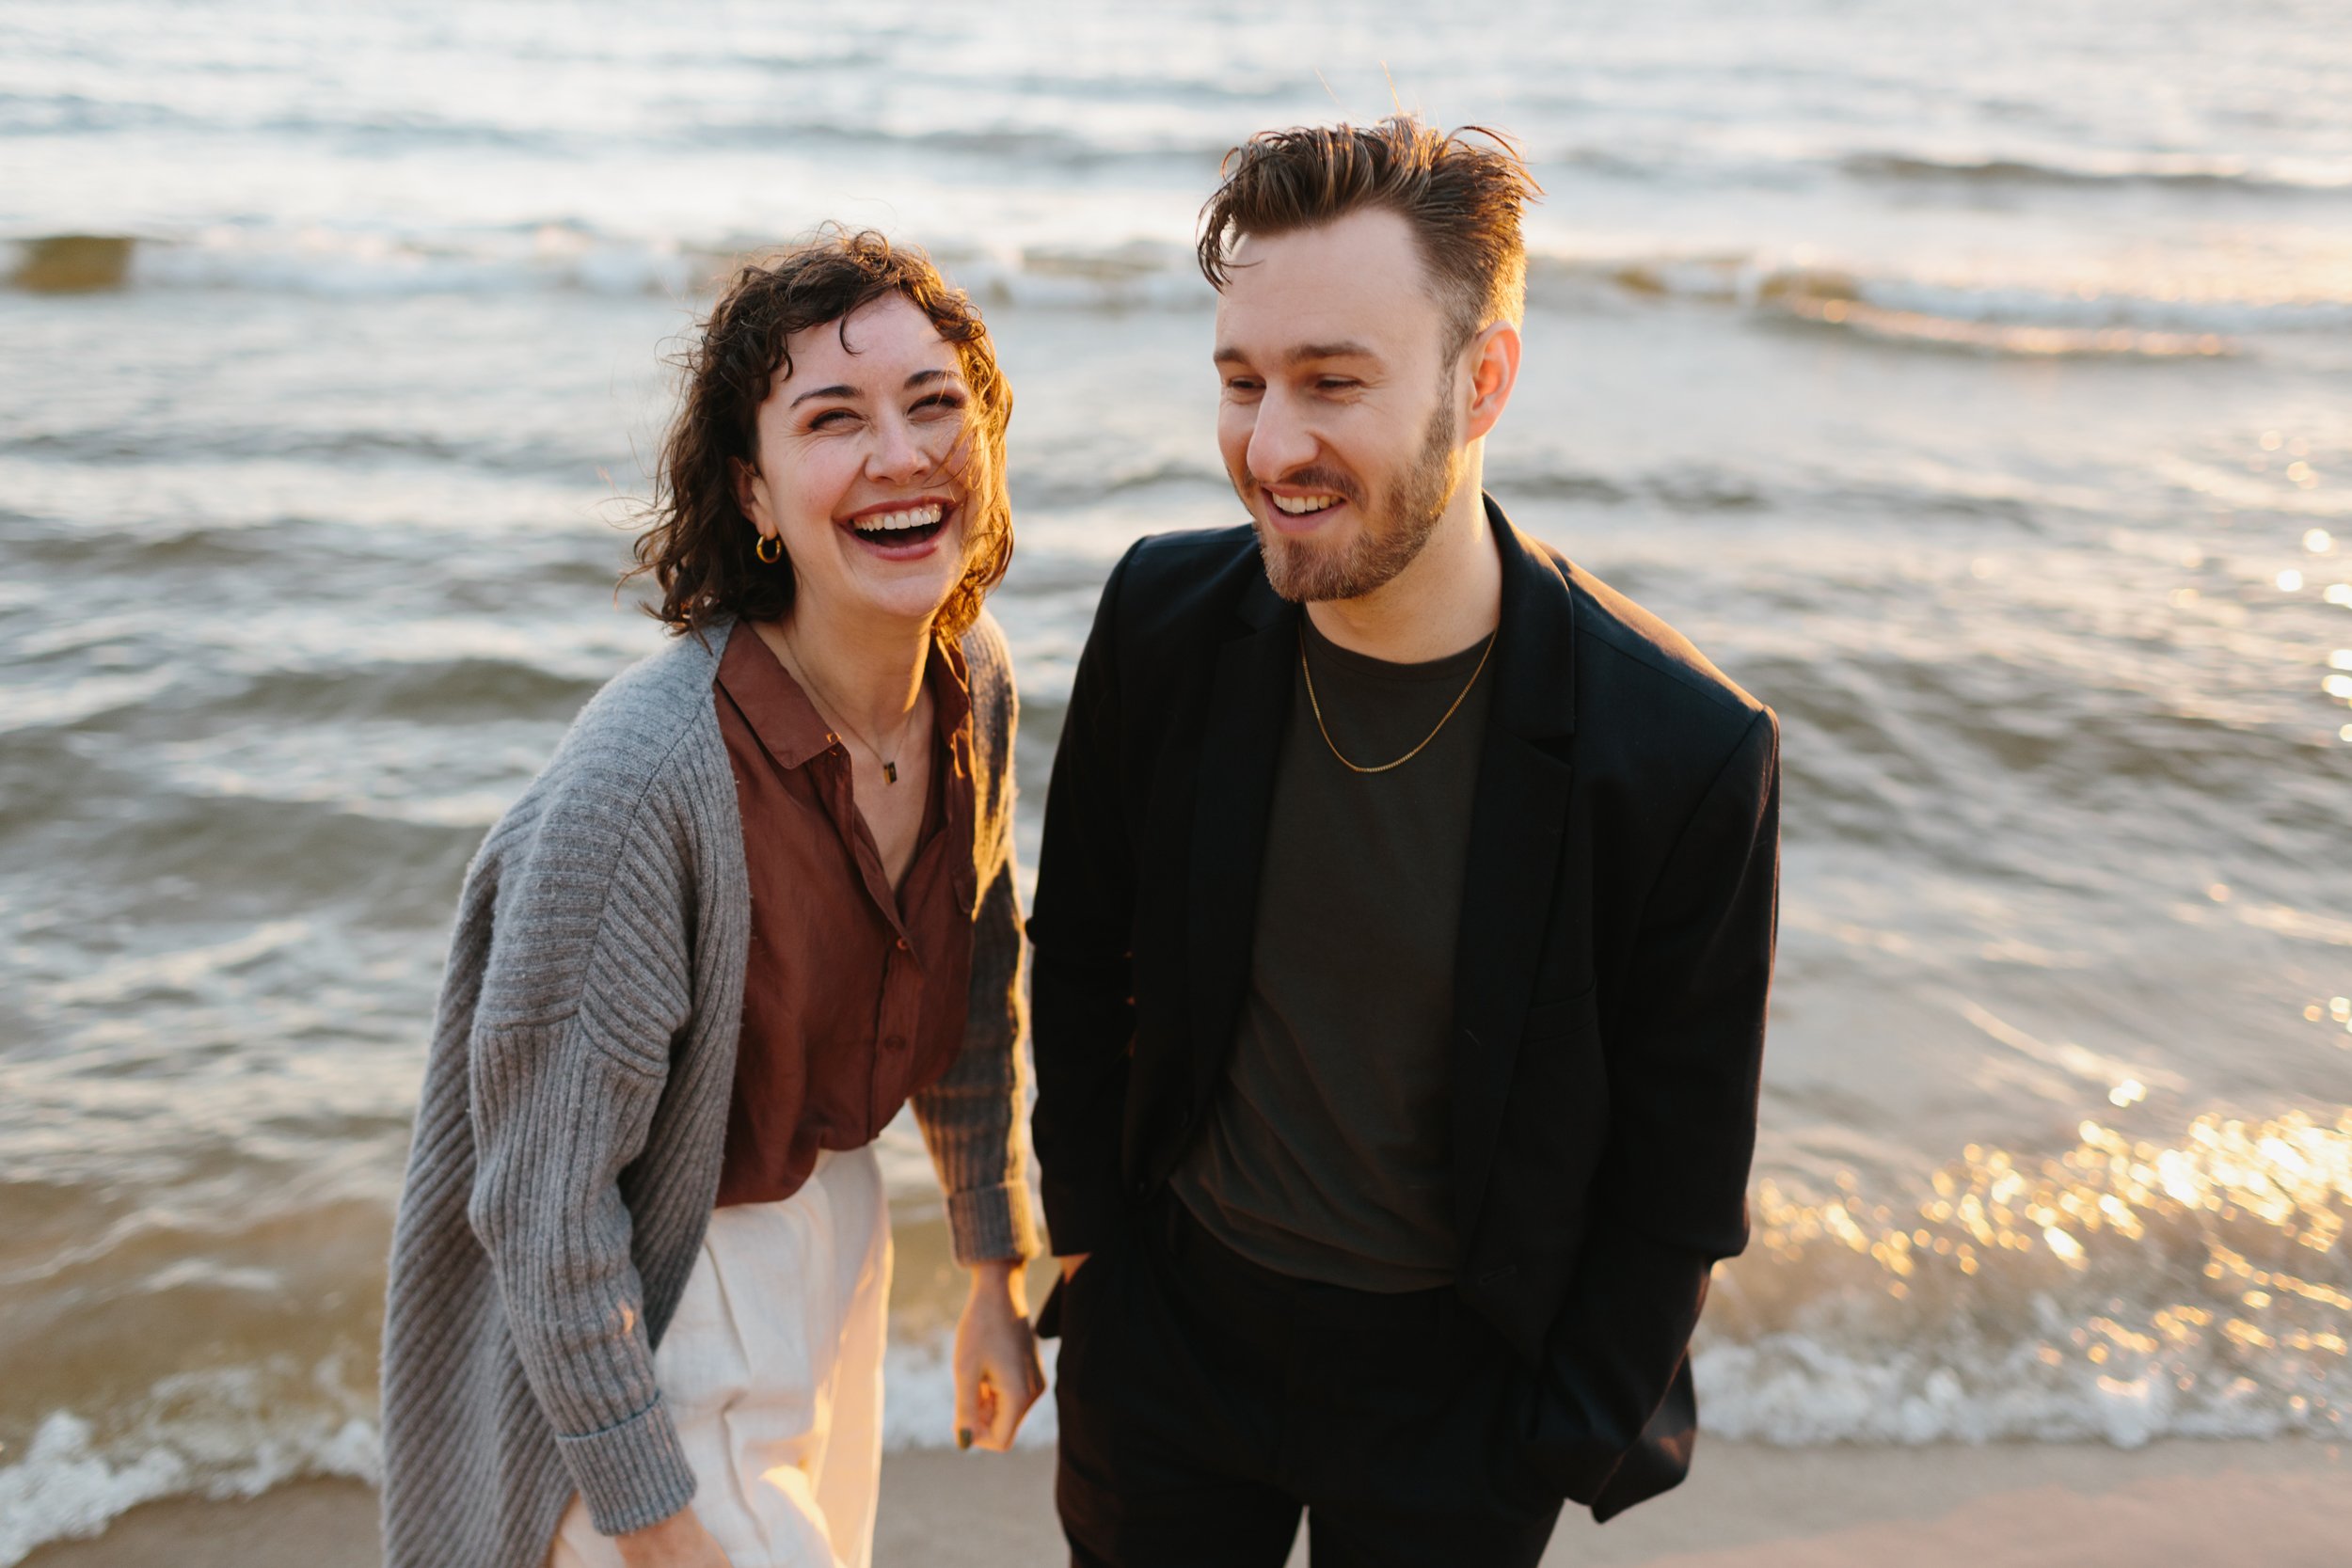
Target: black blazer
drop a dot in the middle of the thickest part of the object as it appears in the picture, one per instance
(1616, 946)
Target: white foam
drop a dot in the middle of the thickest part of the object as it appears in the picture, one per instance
(1800, 1391)
(72, 1483)
(372, 264)
(367, 264)
(2060, 298)
(69, 1485)
(1796, 1390)
(1145, 275)
(1791, 1388)
(63, 1488)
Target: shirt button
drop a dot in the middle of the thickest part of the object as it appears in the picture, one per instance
(895, 1042)
(902, 944)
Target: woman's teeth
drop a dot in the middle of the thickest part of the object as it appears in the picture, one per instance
(900, 522)
(1299, 506)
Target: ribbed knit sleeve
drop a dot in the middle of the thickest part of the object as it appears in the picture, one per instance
(589, 977)
(972, 1117)
(569, 1134)
(549, 1211)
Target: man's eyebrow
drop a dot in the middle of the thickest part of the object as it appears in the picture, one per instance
(1345, 349)
(1303, 354)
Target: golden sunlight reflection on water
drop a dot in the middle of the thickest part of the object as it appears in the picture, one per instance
(2212, 1260)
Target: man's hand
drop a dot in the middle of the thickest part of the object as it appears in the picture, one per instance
(677, 1542)
(1071, 1264)
(997, 1375)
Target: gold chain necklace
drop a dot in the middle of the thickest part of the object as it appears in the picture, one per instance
(889, 764)
(1308, 670)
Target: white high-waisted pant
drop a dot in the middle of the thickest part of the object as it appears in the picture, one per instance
(773, 1371)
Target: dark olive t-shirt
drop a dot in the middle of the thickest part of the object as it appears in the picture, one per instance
(1326, 1154)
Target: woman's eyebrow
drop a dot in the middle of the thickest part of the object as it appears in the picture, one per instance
(918, 379)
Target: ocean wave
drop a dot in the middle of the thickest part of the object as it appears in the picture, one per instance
(65, 114)
(1703, 488)
(494, 451)
(1025, 147)
(288, 851)
(2026, 318)
(237, 1433)
(362, 265)
(2120, 1290)
(1924, 329)
(441, 694)
(1689, 488)
(2002, 318)
(2177, 170)
(226, 1442)
(438, 693)
(340, 265)
(556, 257)
(1055, 484)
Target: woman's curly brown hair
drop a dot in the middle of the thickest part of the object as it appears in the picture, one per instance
(698, 545)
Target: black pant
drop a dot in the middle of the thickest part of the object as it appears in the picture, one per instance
(1205, 1401)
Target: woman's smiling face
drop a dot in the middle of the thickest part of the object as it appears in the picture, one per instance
(861, 447)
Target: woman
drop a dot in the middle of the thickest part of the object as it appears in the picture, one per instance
(762, 896)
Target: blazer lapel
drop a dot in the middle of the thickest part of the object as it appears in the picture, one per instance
(1249, 701)
(1518, 812)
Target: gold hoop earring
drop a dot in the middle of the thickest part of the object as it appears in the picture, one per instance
(769, 548)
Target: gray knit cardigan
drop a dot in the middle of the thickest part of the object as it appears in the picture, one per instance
(567, 1145)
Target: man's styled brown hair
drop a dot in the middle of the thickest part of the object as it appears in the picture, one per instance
(1461, 199)
(698, 545)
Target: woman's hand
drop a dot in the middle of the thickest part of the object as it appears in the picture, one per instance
(677, 1542)
(997, 1375)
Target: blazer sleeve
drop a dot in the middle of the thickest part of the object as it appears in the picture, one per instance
(971, 1116)
(1081, 937)
(1684, 1058)
(588, 980)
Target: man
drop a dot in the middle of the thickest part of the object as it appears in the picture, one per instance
(1402, 931)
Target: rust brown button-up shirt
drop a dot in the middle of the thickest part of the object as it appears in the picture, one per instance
(855, 995)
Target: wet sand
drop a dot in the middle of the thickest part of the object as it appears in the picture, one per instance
(2017, 1505)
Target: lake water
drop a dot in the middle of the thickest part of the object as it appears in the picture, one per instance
(1974, 392)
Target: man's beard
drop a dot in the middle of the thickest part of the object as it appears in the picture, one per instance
(1303, 572)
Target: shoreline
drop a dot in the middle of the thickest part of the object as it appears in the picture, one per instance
(1747, 1505)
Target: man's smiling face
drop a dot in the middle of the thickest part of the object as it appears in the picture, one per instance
(1337, 421)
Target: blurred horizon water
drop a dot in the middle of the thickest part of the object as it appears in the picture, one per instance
(1975, 396)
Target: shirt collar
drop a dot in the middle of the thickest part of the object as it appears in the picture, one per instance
(786, 722)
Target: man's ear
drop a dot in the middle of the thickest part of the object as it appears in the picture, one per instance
(747, 496)
(1494, 365)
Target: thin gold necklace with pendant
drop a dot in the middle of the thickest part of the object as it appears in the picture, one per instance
(1308, 670)
(890, 763)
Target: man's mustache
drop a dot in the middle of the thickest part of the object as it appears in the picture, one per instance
(1330, 479)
